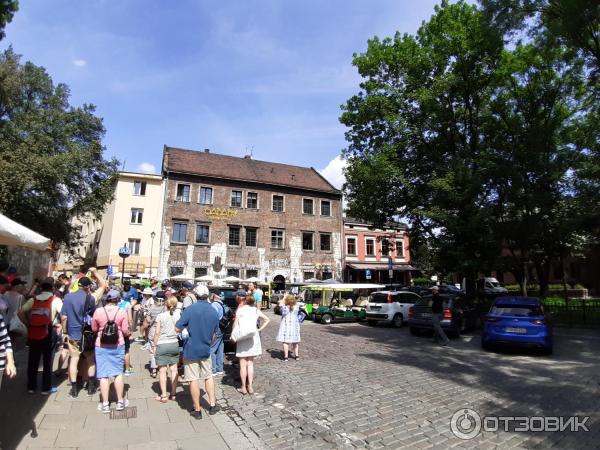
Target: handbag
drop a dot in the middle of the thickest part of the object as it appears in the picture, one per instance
(16, 326)
(244, 330)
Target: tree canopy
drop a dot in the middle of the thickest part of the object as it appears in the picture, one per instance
(475, 142)
(51, 154)
(8, 8)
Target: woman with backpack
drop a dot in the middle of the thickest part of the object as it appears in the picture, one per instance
(289, 328)
(112, 325)
(167, 348)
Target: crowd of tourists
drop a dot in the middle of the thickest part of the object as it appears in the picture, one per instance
(91, 323)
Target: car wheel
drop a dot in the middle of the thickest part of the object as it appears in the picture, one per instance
(398, 321)
(415, 331)
(326, 319)
(372, 322)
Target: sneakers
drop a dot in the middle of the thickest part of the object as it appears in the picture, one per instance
(104, 408)
(91, 387)
(128, 371)
(196, 414)
(50, 391)
(122, 404)
(73, 392)
(139, 339)
(212, 410)
(31, 391)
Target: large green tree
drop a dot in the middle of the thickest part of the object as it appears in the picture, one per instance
(415, 138)
(476, 143)
(51, 154)
(8, 8)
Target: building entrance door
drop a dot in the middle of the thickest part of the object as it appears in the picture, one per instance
(279, 281)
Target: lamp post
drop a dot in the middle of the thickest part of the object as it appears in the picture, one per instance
(152, 235)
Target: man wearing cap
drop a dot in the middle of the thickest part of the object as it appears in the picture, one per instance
(4, 287)
(188, 296)
(48, 305)
(437, 314)
(202, 322)
(77, 309)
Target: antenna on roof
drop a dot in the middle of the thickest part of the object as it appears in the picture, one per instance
(123, 165)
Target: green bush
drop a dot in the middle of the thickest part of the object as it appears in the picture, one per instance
(422, 281)
(535, 287)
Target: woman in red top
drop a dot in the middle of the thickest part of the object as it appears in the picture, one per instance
(110, 357)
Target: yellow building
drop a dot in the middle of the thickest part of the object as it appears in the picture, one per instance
(133, 219)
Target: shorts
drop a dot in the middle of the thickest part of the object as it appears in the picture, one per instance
(197, 370)
(167, 354)
(74, 351)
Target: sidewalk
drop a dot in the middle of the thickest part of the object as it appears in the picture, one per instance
(36, 421)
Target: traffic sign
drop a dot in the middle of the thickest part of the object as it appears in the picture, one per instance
(124, 252)
(368, 274)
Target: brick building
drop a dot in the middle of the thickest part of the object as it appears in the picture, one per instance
(228, 216)
(368, 252)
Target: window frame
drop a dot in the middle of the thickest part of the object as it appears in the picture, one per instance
(354, 239)
(321, 234)
(173, 232)
(255, 229)
(312, 208)
(399, 244)
(212, 194)
(373, 241)
(189, 193)
(248, 198)
(321, 208)
(282, 203)
(312, 241)
(273, 230)
(196, 234)
(239, 236)
(138, 243)
(143, 187)
(241, 205)
(139, 216)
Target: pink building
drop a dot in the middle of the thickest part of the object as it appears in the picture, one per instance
(369, 252)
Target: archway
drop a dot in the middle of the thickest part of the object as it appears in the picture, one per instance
(279, 281)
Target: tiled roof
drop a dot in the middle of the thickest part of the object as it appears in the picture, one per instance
(243, 169)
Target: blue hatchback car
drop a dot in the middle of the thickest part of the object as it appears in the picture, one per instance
(517, 321)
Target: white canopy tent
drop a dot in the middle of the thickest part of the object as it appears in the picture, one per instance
(181, 278)
(13, 233)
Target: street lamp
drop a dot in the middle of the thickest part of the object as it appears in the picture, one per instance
(152, 235)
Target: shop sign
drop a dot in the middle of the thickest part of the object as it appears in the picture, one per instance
(216, 213)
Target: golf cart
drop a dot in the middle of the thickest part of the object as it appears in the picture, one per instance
(339, 302)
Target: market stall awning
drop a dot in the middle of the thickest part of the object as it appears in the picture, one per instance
(364, 266)
(13, 233)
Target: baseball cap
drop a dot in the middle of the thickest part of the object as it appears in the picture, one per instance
(17, 282)
(127, 282)
(112, 294)
(187, 285)
(241, 293)
(201, 290)
(84, 282)
(147, 291)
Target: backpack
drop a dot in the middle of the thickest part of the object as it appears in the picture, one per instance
(40, 319)
(110, 332)
(226, 319)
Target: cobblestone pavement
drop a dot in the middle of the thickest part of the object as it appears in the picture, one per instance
(357, 386)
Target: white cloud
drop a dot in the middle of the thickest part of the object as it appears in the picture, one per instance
(80, 63)
(146, 167)
(334, 171)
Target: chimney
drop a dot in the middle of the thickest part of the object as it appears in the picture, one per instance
(207, 150)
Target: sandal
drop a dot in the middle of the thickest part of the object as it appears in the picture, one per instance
(250, 391)
(153, 373)
(173, 397)
(161, 398)
(242, 391)
(296, 358)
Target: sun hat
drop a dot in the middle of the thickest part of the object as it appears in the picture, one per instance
(147, 291)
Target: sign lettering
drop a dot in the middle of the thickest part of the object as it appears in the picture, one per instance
(217, 213)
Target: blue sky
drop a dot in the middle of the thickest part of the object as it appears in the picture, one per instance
(229, 75)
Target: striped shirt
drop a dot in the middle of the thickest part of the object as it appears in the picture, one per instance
(5, 345)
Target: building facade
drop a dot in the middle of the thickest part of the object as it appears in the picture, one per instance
(228, 216)
(132, 219)
(371, 252)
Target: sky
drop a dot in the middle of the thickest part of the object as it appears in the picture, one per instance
(260, 76)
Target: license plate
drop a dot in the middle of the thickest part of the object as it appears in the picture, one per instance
(516, 330)
(375, 307)
(426, 315)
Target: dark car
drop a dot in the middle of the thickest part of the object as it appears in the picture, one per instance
(460, 314)
(228, 295)
(517, 321)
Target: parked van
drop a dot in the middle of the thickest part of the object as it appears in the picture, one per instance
(490, 285)
(390, 307)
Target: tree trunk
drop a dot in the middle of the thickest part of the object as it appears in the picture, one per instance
(543, 273)
(523, 282)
